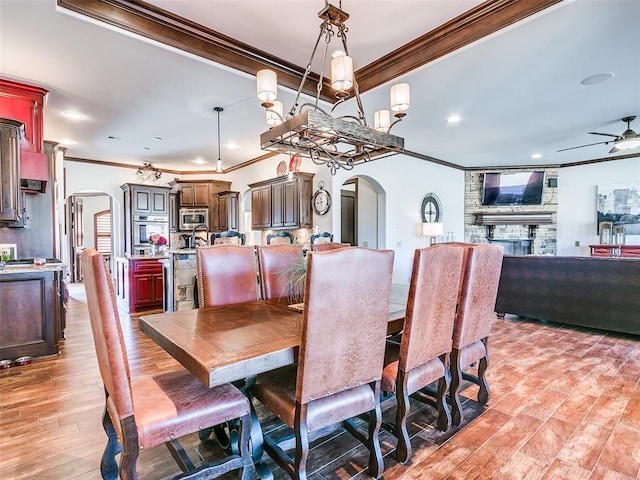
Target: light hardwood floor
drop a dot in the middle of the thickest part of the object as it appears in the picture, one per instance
(565, 404)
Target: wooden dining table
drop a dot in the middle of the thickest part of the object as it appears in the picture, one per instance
(232, 343)
(227, 343)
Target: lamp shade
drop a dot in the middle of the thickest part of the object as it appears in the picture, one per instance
(275, 113)
(266, 85)
(382, 120)
(432, 229)
(341, 71)
(400, 97)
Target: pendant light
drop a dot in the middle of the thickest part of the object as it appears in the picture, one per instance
(219, 162)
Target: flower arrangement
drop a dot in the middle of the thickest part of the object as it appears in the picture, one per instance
(157, 239)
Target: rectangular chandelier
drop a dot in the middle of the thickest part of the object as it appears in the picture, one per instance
(314, 134)
(336, 141)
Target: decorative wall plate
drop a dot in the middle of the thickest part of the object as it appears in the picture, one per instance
(282, 169)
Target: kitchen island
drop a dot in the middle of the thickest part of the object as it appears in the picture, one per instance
(140, 282)
(32, 309)
(180, 274)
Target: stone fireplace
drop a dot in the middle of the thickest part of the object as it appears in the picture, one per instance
(520, 229)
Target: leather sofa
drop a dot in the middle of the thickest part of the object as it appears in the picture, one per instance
(602, 293)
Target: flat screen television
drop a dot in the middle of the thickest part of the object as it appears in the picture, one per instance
(513, 188)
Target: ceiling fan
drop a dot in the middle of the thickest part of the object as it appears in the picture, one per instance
(626, 141)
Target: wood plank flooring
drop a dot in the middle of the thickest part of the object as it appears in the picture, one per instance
(565, 404)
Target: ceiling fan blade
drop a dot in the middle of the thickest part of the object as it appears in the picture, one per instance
(614, 149)
(605, 134)
(587, 145)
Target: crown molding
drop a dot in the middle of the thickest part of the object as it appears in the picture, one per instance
(481, 21)
(151, 22)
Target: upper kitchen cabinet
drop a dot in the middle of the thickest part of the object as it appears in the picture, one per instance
(228, 209)
(194, 195)
(10, 205)
(24, 103)
(282, 203)
(202, 194)
(148, 200)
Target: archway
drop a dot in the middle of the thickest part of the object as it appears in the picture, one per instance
(80, 208)
(363, 212)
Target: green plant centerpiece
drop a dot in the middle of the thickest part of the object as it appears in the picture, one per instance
(296, 275)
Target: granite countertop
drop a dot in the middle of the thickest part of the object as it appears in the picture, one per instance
(30, 268)
(182, 250)
(143, 257)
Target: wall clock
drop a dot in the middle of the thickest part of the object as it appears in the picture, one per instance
(321, 200)
(431, 209)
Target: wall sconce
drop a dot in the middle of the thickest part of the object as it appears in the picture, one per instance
(433, 230)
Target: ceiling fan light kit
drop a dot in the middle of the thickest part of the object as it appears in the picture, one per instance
(337, 142)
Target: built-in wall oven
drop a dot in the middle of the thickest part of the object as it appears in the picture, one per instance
(146, 225)
(189, 218)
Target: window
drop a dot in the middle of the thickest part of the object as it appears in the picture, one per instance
(102, 231)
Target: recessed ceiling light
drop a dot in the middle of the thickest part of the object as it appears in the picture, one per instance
(597, 78)
(199, 161)
(71, 115)
(232, 146)
(536, 156)
(145, 148)
(113, 137)
(454, 119)
(157, 138)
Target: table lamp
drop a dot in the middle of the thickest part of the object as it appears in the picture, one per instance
(432, 229)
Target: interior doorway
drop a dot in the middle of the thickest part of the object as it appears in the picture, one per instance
(82, 211)
(363, 212)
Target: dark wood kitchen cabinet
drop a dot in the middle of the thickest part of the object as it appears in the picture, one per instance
(282, 203)
(139, 284)
(194, 195)
(261, 208)
(10, 197)
(32, 312)
(202, 194)
(228, 210)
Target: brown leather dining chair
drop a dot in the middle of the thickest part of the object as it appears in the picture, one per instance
(337, 377)
(226, 274)
(151, 410)
(321, 247)
(422, 357)
(476, 311)
(274, 264)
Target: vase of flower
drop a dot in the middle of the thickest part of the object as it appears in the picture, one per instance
(156, 240)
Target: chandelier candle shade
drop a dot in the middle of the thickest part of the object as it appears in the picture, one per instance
(307, 129)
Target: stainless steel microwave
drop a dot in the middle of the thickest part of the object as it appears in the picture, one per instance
(192, 217)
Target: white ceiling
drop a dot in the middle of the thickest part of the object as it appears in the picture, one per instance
(518, 91)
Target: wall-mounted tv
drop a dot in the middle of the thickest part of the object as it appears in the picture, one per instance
(513, 188)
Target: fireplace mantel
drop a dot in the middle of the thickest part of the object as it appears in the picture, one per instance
(520, 218)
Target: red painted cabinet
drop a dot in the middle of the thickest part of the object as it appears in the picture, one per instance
(139, 284)
(25, 103)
